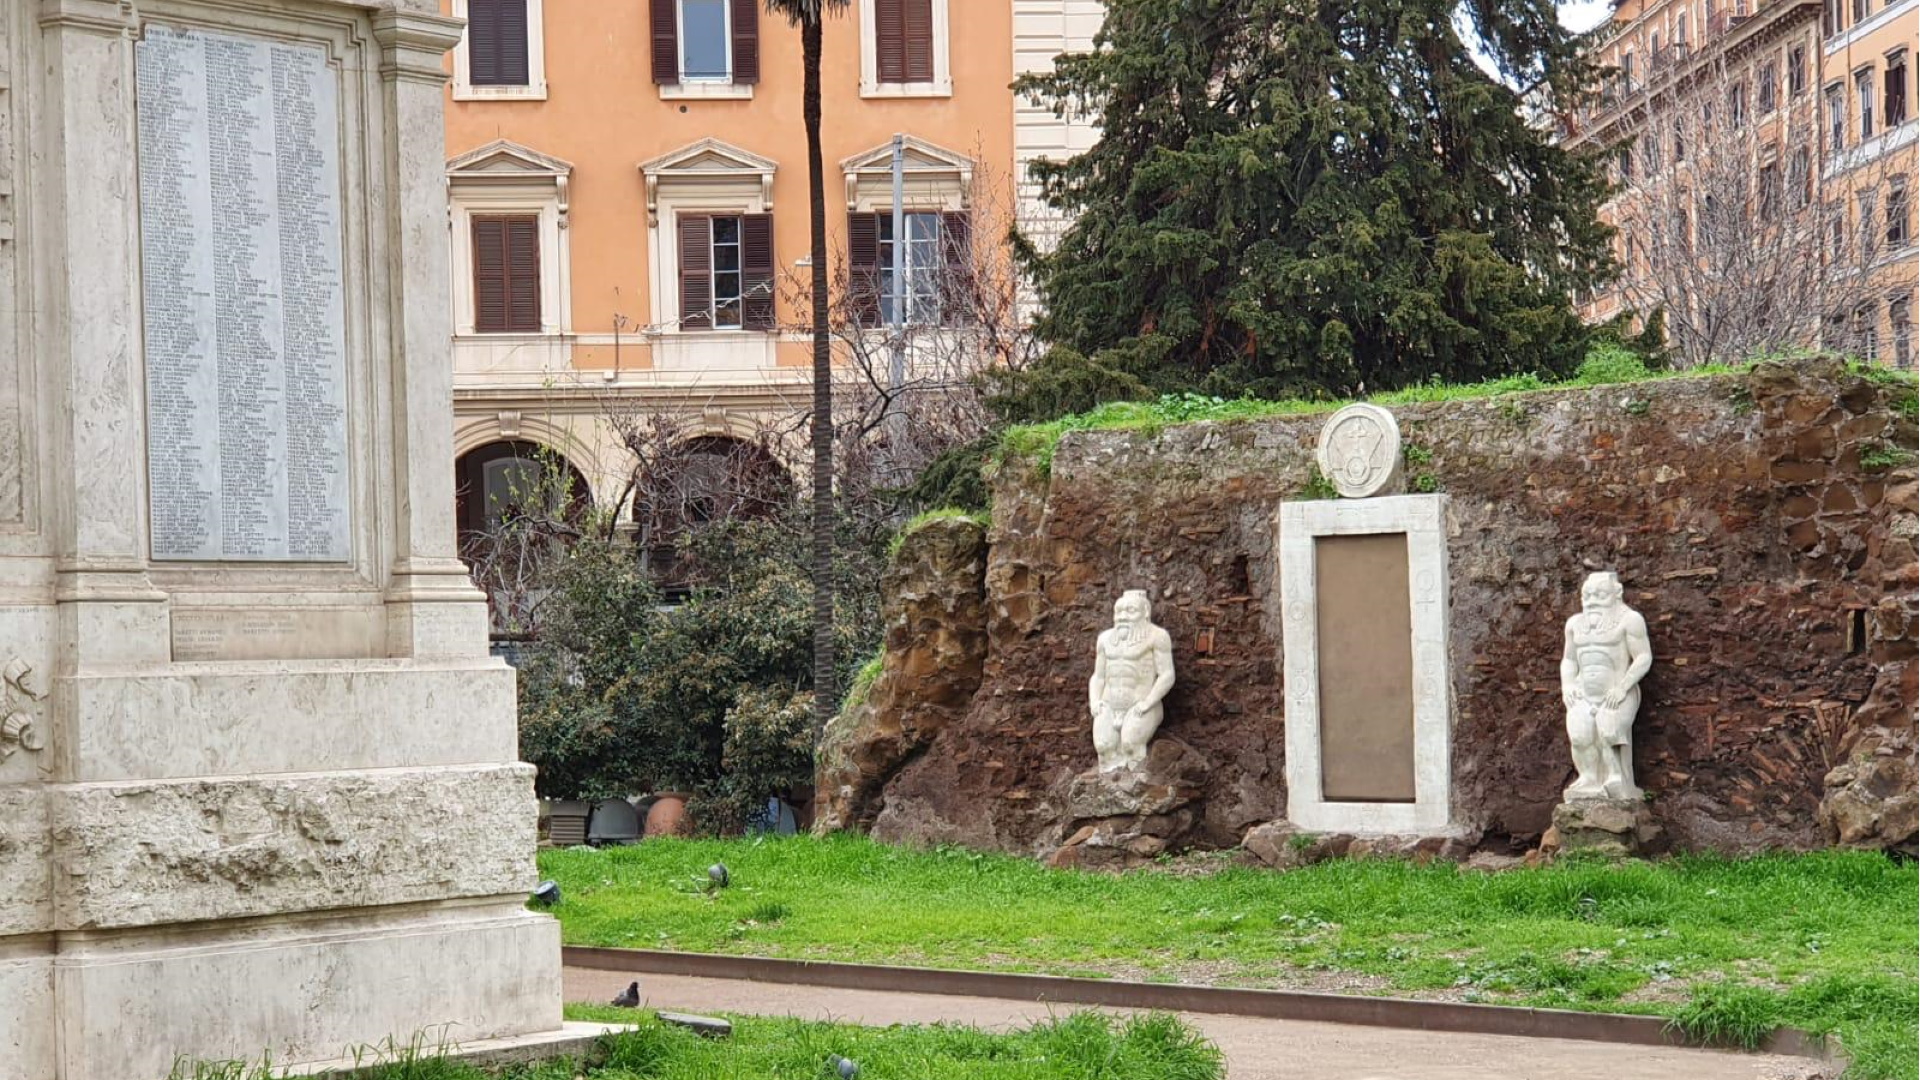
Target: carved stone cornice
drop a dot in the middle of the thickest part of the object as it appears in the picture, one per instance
(413, 44)
(106, 17)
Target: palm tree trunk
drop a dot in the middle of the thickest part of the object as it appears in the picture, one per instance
(825, 700)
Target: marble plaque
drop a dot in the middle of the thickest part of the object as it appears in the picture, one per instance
(353, 633)
(244, 288)
(1366, 668)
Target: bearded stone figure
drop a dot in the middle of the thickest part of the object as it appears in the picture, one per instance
(1132, 672)
(1607, 653)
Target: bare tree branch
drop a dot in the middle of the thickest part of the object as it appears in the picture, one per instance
(1739, 229)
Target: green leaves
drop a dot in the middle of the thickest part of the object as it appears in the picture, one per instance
(627, 694)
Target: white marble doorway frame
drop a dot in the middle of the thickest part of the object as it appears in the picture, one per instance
(1422, 518)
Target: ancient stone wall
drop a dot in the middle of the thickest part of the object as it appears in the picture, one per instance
(1775, 569)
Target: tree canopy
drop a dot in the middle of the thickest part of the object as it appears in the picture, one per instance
(1308, 196)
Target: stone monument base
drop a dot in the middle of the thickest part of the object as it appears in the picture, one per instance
(1285, 846)
(293, 988)
(1617, 828)
(1126, 817)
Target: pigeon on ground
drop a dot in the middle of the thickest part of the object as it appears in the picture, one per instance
(844, 1068)
(717, 876)
(630, 997)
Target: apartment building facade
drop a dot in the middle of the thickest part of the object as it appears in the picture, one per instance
(1764, 152)
(627, 200)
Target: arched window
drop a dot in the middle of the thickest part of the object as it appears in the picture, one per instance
(517, 505)
(497, 481)
(698, 482)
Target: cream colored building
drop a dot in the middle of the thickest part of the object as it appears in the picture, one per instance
(1821, 97)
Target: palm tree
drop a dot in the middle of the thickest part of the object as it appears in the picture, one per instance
(808, 15)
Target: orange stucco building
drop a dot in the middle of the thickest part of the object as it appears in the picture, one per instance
(627, 189)
(1816, 98)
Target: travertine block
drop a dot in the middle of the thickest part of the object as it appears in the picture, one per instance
(26, 883)
(303, 990)
(137, 854)
(314, 716)
(26, 1014)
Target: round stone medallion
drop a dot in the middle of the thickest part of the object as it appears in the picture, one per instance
(1360, 451)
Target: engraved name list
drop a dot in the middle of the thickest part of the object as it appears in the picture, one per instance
(243, 287)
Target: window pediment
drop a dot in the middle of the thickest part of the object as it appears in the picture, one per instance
(927, 168)
(503, 162)
(708, 161)
(505, 158)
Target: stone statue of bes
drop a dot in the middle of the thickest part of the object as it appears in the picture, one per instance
(1132, 672)
(1607, 653)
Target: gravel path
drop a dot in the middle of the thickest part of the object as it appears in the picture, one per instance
(1256, 1049)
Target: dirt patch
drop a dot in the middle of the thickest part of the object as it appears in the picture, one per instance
(1671, 992)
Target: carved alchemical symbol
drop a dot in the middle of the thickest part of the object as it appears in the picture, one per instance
(1360, 450)
(1355, 446)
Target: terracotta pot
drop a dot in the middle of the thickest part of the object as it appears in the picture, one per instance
(667, 816)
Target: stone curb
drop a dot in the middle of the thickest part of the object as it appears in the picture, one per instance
(1172, 997)
(571, 1039)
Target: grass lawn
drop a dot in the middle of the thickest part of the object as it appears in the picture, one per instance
(1730, 947)
(1083, 1046)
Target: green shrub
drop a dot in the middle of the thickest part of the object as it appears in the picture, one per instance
(863, 680)
(926, 517)
(1317, 487)
(625, 693)
(768, 748)
(1607, 364)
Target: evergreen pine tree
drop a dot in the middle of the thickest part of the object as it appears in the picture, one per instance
(1311, 196)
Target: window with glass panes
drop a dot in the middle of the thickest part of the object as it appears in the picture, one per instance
(1866, 332)
(726, 271)
(711, 41)
(920, 262)
(703, 41)
(934, 268)
(1896, 82)
(1863, 95)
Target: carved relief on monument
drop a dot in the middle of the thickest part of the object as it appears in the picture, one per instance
(1359, 451)
(21, 693)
